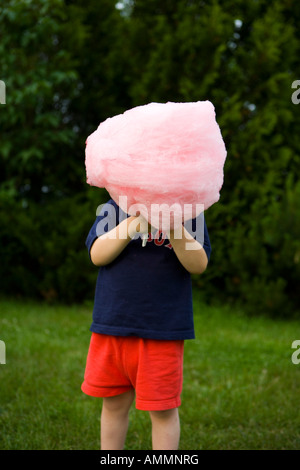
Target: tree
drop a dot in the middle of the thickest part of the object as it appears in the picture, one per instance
(59, 69)
(69, 65)
(243, 56)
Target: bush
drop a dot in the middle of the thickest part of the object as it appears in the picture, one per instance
(256, 260)
(73, 64)
(43, 252)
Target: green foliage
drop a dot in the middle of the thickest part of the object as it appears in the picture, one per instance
(58, 90)
(43, 253)
(69, 65)
(41, 80)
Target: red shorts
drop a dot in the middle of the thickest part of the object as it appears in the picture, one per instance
(153, 368)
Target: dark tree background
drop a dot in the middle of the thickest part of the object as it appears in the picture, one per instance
(68, 65)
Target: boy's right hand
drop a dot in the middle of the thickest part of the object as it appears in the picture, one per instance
(109, 245)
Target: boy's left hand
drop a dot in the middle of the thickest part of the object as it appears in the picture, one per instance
(139, 225)
(144, 226)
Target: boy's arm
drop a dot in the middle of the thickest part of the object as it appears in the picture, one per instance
(189, 251)
(107, 247)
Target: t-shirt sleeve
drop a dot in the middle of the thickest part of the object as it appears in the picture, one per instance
(198, 229)
(107, 219)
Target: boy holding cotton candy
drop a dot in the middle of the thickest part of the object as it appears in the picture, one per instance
(142, 316)
(159, 154)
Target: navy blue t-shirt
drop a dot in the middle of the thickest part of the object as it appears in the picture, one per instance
(145, 291)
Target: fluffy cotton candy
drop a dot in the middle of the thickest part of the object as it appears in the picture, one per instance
(159, 153)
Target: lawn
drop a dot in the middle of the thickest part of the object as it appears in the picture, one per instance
(240, 390)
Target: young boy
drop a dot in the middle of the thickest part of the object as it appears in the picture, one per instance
(142, 315)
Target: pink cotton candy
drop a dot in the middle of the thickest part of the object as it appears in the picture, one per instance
(159, 153)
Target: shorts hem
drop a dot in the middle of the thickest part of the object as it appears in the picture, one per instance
(103, 392)
(159, 405)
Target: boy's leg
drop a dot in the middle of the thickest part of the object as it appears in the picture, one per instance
(165, 429)
(114, 420)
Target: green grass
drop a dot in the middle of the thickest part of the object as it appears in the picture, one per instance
(241, 389)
